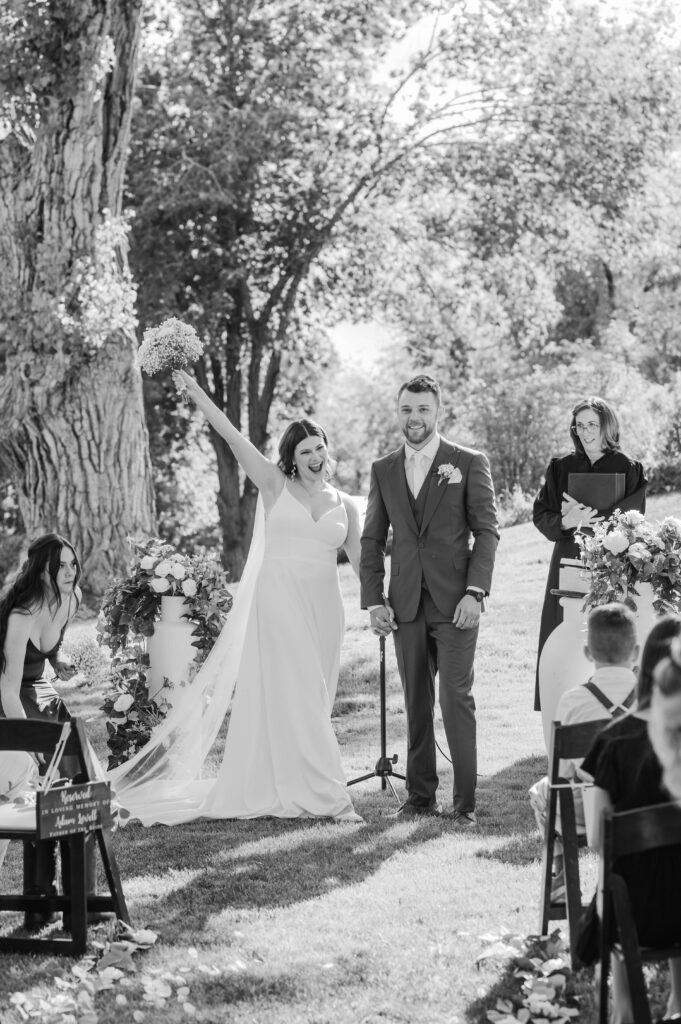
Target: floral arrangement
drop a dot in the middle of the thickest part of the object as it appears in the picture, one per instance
(627, 550)
(171, 346)
(130, 608)
(131, 714)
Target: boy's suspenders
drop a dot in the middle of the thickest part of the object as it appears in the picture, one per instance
(615, 709)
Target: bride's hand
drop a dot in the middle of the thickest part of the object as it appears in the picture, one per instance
(185, 384)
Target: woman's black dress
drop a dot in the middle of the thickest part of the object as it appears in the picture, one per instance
(547, 519)
(38, 696)
(623, 763)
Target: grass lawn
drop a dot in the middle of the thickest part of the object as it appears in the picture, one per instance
(313, 923)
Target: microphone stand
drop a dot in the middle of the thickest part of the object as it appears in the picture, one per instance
(384, 765)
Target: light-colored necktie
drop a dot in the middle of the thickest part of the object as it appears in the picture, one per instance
(418, 472)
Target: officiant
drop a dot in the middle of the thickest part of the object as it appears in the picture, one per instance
(581, 489)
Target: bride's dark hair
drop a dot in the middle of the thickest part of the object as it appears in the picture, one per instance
(28, 590)
(291, 438)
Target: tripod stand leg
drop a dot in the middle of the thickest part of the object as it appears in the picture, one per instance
(392, 788)
(383, 769)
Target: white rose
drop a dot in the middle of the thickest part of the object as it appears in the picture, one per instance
(162, 569)
(147, 563)
(178, 571)
(159, 585)
(616, 542)
(189, 588)
(639, 551)
(124, 702)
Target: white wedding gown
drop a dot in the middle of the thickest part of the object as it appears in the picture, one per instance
(281, 755)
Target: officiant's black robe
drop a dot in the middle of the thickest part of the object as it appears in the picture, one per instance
(547, 519)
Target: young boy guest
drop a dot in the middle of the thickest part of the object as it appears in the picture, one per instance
(612, 646)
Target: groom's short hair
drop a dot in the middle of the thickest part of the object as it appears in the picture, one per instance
(421, 383)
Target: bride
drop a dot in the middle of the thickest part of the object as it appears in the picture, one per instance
(280, 647)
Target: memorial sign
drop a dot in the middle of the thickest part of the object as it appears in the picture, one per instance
(65, 810)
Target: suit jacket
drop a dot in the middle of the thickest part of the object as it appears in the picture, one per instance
(453, 549)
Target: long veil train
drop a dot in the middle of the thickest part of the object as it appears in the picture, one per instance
(164, 782)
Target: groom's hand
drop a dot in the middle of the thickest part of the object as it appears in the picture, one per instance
(382, 620)
(467, 613)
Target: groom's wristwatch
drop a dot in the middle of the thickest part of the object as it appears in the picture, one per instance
(479, 595)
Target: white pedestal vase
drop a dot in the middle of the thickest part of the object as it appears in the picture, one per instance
(170, 649)
(645, 612)
(563, 663)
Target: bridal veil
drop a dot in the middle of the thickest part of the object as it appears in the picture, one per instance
(165, 782)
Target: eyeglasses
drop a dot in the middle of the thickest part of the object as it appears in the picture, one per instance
(581, 428)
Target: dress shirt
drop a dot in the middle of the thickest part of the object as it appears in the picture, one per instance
(417, 463)
(579, 705)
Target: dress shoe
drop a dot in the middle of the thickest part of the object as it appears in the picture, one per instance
(465, 819)
(409, 810)
(35, 920)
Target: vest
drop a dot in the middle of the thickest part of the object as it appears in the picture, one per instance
(418, 505)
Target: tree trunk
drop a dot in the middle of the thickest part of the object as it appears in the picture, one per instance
(236, 510)
(72, 424)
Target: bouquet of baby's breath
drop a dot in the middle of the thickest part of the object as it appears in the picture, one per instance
(171, 346)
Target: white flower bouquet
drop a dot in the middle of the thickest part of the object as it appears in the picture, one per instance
(627, 550)
(169, 575)
(132, 605)
(170, 346)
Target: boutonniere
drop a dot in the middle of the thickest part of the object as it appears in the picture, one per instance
(448, 474)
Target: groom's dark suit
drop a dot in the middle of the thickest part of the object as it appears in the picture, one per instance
(432, 563)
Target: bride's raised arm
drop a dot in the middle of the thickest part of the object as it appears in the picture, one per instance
(267, 477)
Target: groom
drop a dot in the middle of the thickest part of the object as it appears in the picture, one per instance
(438, 497)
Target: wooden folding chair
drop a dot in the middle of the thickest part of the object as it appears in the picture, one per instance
(567, 742)
(626, 833)
(32, 822)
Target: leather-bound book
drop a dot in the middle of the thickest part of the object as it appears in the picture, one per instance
(597, 490)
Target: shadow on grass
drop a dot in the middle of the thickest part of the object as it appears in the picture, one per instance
(205, 867)
(505, 809)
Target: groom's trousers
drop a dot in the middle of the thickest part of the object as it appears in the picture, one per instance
(427, 645)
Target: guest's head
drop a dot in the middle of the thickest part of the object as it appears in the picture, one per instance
(654, 650)
(418, 406)
(594, 427)
(49, 575)
(664, 724)
(611, 636)
(304, 450)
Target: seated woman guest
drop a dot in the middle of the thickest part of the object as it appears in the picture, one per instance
(664, 725)
(34, 613)
(568, 499)
(627, 771)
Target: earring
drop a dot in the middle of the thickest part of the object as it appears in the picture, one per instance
(293, 472)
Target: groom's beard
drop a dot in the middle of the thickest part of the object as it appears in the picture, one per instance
(418, 435)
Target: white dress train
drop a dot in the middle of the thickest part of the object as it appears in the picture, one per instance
(281, 755)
